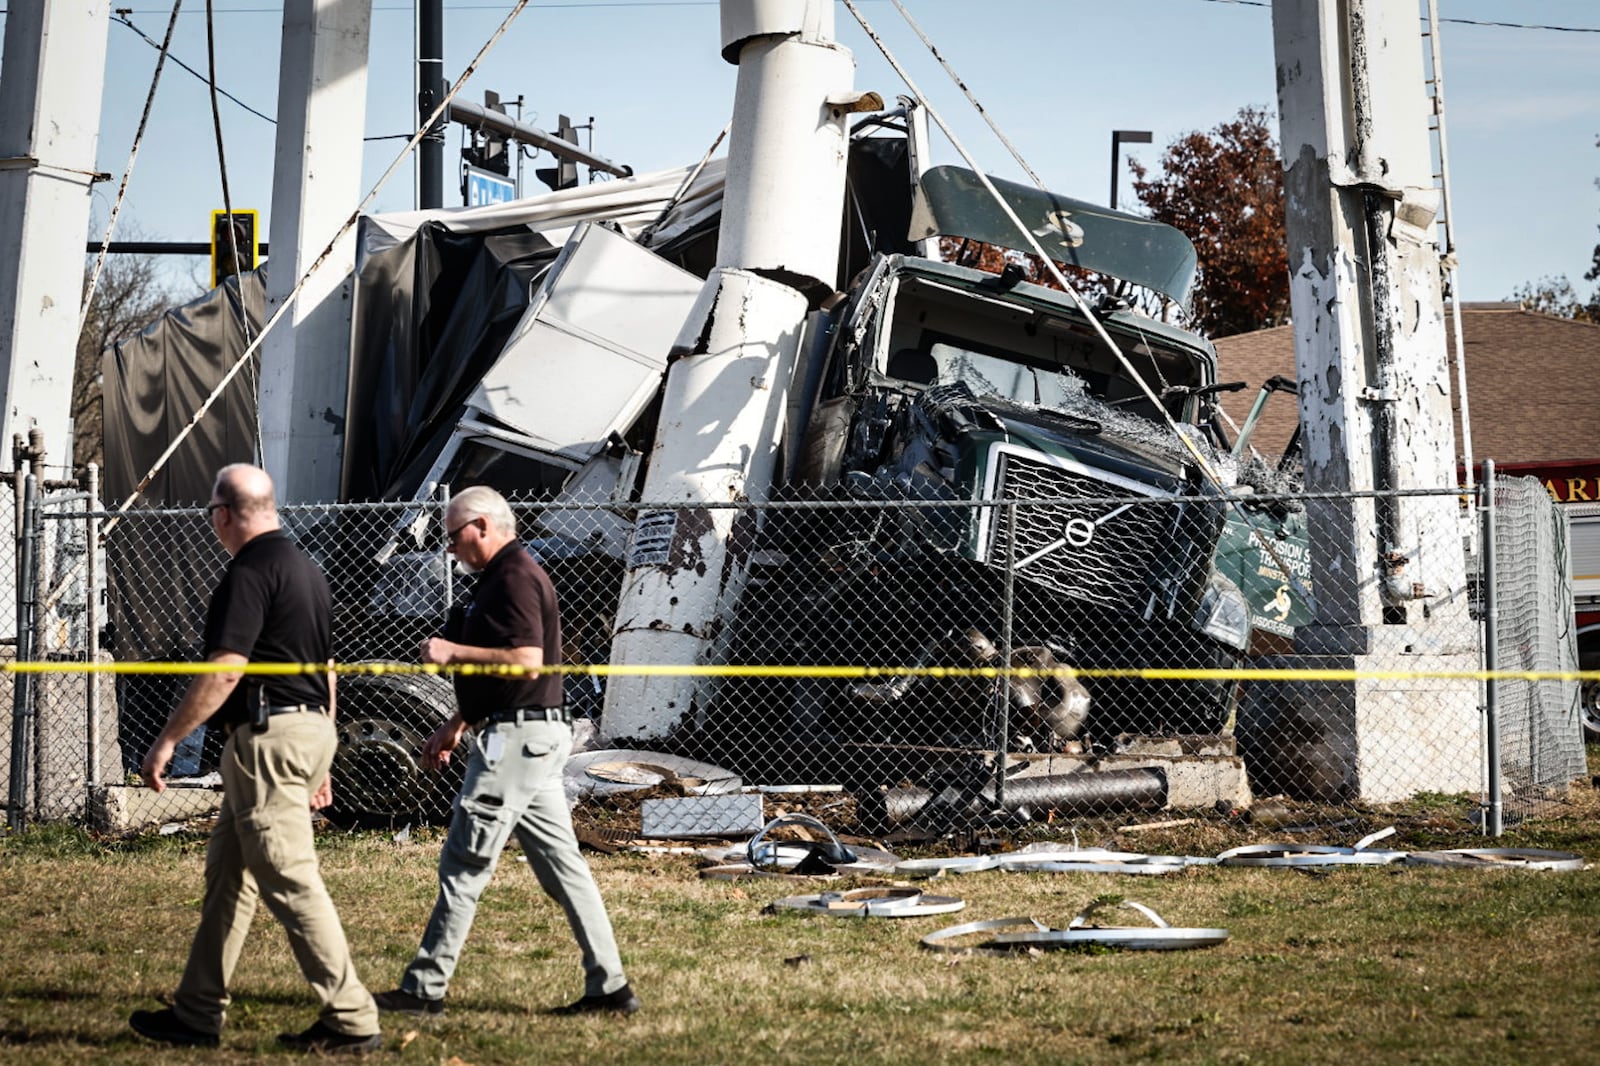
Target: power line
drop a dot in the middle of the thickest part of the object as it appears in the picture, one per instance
(120, 17)
(1456, 21)
(1493, 23)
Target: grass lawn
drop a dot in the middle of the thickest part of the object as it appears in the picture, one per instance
(1364, 964)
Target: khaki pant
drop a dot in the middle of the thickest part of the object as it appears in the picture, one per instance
(262, 849)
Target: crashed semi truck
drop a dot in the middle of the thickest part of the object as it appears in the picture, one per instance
(964, 475)
(960, 472)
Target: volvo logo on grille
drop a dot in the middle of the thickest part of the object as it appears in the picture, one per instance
(1078, 532)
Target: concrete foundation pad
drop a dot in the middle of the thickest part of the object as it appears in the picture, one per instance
(117, 808)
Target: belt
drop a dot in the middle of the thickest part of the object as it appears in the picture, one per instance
(527, 714)
(296, 708)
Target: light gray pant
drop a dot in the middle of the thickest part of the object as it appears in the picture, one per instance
(513, 785)
(262, 849)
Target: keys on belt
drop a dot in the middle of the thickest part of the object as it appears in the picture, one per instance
(528, 714)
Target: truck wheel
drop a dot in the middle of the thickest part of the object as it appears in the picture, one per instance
(1589, 691)
(383, 721)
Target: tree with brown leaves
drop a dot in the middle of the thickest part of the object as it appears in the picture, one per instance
(1224, 190)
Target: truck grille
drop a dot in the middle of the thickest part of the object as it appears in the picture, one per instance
(1109, 554)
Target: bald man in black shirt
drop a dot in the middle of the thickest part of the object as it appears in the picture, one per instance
(271, 606)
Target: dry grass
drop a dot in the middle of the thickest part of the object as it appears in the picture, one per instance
(1373, 964)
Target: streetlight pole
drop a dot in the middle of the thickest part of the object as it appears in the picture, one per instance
(1118, 139)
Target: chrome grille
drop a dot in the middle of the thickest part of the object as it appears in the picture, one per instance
(1097, 552)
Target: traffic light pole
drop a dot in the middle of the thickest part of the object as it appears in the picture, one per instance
(430, 90)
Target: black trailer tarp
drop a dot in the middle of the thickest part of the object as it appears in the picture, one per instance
(432, 314)
(161, 565)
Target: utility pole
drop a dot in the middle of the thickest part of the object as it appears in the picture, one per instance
(430, 90)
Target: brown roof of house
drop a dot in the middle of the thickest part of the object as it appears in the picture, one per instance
(1533, 383)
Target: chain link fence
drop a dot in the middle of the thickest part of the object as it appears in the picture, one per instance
(1531, 628)
(937, 665)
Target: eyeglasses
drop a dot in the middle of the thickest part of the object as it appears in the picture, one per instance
(211, 508)
(453, 535)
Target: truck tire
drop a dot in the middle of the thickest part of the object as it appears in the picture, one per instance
(383, 721)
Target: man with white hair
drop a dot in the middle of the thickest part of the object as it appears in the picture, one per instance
(513, 777)
(272, 606)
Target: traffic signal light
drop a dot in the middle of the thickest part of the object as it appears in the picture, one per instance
(564, 175)
(235, 244)
(488, 150)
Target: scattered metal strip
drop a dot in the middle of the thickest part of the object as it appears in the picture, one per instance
(874, 903)
(960, 864)
(1499, 858)
(941, 940)
(1162, 937)
(1143, 867)
(1035, 934)
(1305, 855)
(1373, 838)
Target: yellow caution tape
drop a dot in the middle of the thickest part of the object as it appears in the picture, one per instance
(848, 673)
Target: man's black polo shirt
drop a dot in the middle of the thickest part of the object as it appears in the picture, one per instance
(272, 606)
(514, 606)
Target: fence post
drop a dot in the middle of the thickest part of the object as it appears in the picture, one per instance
(91, 621)
(1003, 689)
(22, 690)
(443, 491)
(1493, 823)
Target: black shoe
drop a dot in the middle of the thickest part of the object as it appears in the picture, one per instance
(402, 1002)
(164, 1025)
(324, 1041)
(622, 1001)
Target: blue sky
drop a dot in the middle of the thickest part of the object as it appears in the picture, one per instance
(1523, 109)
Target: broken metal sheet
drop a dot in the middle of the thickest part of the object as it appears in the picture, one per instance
(1499, 859)
(873, 903)
(608, 771)
(700, 816)
(1012, 934)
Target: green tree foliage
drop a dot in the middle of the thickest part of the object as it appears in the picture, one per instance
(1224, 190)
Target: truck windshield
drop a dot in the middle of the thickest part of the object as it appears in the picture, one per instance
(987, 375)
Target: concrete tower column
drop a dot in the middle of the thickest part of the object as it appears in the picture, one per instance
(50, 87)
(726, 390)
(305, 362)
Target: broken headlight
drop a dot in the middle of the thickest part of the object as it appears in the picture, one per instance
(1224, 616)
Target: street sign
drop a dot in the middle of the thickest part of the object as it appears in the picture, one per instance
(486, 187)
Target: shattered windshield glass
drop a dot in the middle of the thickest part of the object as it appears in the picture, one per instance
(986, 375)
